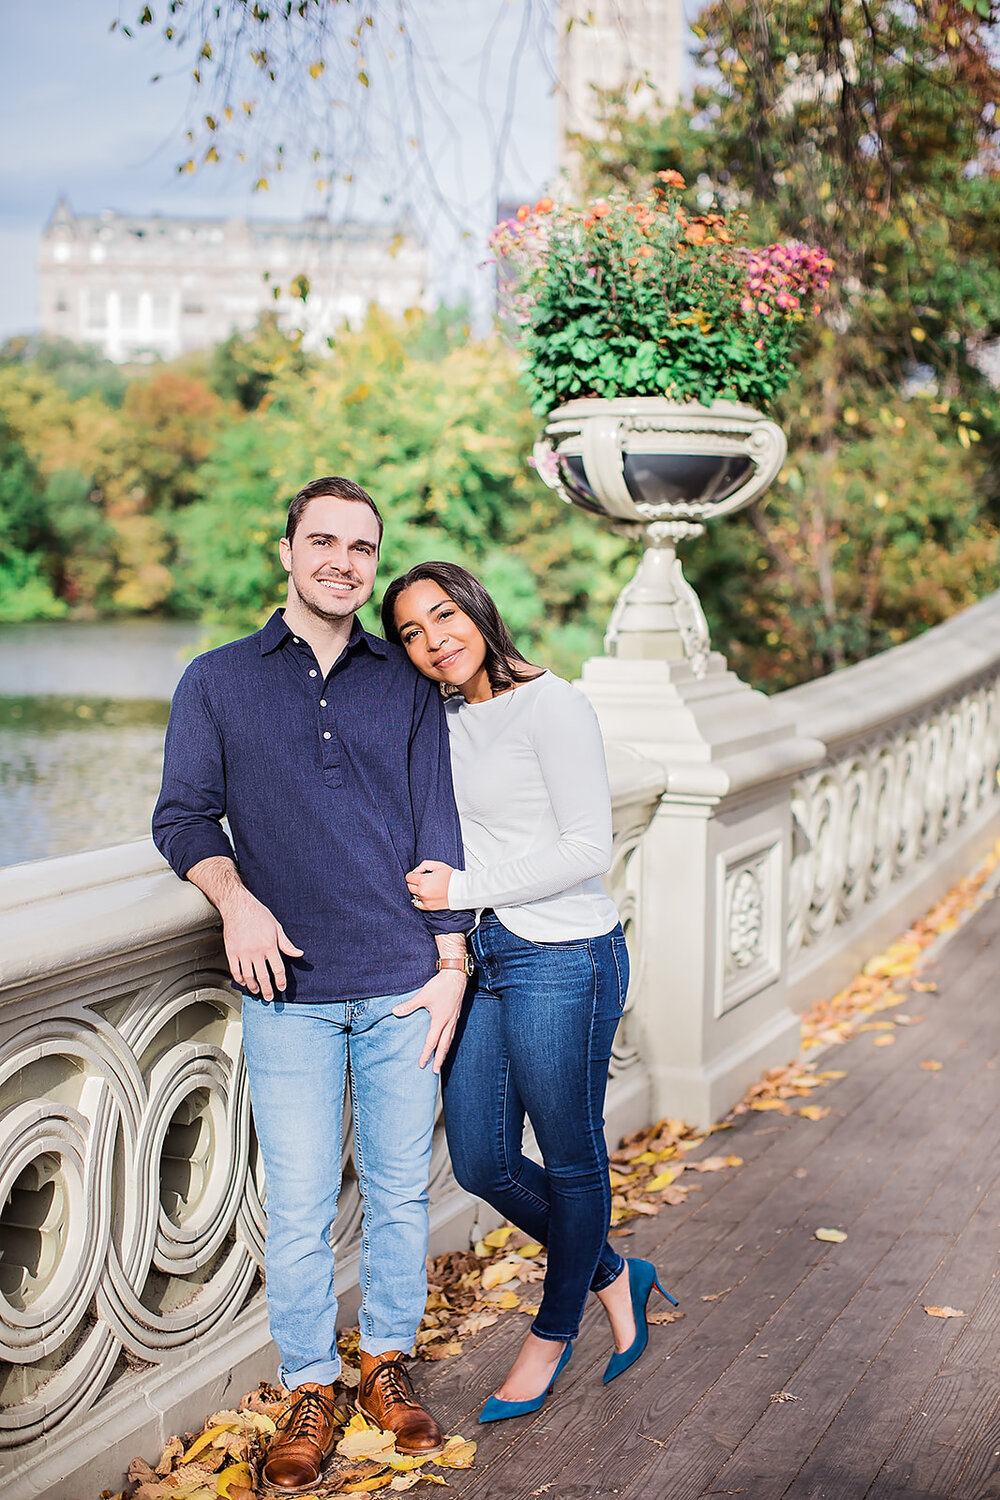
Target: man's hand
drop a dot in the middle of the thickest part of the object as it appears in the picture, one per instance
(254, 938)
(442, 998)
(428, 885)
(255, 941)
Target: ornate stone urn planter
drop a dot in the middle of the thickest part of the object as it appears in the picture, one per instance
(659, 469)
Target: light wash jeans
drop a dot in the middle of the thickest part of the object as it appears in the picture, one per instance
(299, 1057)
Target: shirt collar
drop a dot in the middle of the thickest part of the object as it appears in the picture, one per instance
(275, 633)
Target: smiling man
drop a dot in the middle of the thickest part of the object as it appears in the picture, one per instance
(327, 753)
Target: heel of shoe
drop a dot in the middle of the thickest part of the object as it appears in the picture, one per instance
(672, 1300)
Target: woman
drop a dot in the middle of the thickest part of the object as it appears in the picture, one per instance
(551, 970)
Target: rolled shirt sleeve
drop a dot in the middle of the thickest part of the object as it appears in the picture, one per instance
(187, 820)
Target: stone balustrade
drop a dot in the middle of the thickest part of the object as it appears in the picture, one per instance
(763, 849)
(905, 799)
(132, 1221)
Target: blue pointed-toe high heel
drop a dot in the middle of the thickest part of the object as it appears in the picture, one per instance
(642, 1278)
(496, 1410)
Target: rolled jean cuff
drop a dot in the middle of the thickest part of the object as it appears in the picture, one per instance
(555, 1338)
(320, 1373)
(603, 1279)
(403, 1345)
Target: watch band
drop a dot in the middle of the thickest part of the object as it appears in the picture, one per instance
(465, 965)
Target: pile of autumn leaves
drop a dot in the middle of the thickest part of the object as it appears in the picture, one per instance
(471, 1290)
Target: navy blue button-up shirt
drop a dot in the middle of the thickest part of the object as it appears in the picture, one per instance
(333, 788)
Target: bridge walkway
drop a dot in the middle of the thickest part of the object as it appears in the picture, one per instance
(801, 1369)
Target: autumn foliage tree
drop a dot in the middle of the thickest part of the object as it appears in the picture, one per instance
(873, 131)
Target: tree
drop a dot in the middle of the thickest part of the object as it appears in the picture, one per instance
(874, 132)
(442, 441)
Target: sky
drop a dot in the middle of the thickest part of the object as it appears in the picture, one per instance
(79, 116)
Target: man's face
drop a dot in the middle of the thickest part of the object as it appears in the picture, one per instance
(332, 558)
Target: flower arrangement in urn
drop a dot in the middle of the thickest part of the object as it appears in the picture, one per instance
(639, 297)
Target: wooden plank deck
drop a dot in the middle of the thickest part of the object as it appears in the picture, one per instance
(890, 1403)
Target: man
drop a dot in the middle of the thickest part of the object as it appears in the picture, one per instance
(327, 753)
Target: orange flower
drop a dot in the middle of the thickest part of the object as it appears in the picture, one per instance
(600, 209)
(544, 205)
(671, 179)
(697, 233)
(523, 213)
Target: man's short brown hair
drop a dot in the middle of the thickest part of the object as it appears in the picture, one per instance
(333, 487)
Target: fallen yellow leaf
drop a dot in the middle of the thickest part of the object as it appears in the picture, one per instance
(832, 1073)
(884, 1041)
(365, 1441)
(660, 1181)
(778, 1104)
(457, 1453)
(404, 1481)
(528, 1252)
(877, 1026)
(714, 1296)
(507, 1300)
(944, 1312)
(402, 1463)
(832, 1236)
(366, 1486)
(497, 1238)
(200, 1443)
(931, 1066)
(734, 1161)
(498, 1273)
(238, 1474)
(814, 1111)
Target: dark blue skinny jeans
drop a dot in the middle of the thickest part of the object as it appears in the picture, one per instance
(534, 1039)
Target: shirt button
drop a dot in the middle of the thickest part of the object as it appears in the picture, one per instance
(322, 703)
(326, 734)
(312, 671)
(296, 640)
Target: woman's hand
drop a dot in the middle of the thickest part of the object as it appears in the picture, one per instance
(428, 885)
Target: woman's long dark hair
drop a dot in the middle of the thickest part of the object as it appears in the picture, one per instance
(504, 663)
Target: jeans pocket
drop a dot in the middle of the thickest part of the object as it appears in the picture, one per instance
(619, 950)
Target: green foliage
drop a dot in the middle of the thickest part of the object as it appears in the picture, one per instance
(436, 428)
(874, 131)
(25, 590)
(80, 369)
(638, 297)
(244, 367)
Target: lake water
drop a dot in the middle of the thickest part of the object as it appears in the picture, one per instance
(83, 708)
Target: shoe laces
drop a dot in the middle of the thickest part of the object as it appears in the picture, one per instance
(393, 1380)
(306, 1415)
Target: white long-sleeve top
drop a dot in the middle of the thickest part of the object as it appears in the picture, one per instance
(531, 785)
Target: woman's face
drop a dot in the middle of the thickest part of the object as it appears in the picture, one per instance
(440, 639)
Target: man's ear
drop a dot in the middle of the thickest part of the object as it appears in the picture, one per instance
(285, 553)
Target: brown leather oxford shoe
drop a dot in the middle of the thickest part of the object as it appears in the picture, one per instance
(303, 1441)
(385, 1396)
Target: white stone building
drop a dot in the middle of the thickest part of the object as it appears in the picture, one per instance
(142, 286)
(638, 45)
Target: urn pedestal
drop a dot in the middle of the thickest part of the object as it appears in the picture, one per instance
(709, 879)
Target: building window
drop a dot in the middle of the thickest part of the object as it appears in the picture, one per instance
(193, 309)
(61, 304)
(96, 306)
(129, 310)
(161, 312)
